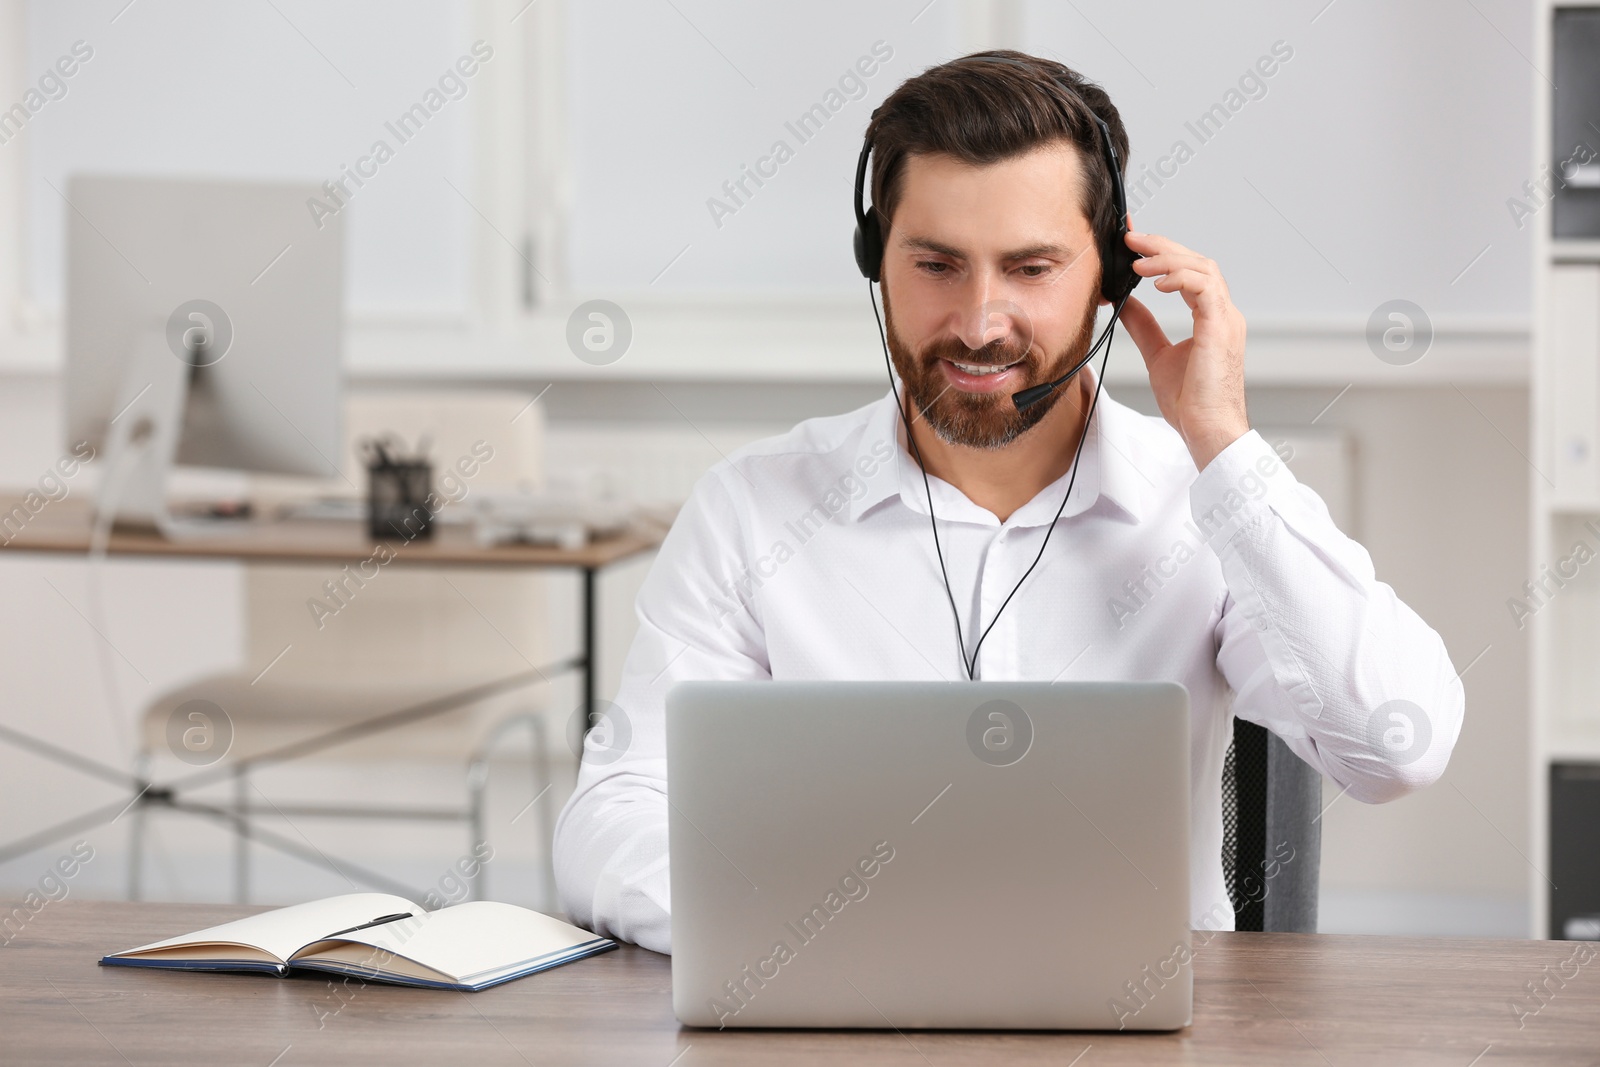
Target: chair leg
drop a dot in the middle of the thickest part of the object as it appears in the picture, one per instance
(477, 787)
(136, 832)
(542, 771)
(241, 831)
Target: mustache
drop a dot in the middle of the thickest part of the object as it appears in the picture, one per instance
(995, 354)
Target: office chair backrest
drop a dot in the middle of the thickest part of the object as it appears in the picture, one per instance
(467, 624)
(1272, 835)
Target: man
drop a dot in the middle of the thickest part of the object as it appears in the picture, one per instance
(1186, 550)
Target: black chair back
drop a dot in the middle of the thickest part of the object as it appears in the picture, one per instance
(1271, 832)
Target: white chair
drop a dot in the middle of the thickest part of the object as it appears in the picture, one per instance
(403, 638)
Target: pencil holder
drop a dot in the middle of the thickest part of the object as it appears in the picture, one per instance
(397, 495)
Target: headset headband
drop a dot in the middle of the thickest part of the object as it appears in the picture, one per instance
(1117, 278)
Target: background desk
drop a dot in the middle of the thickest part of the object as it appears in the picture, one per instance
(63, 527)
(1259, 998)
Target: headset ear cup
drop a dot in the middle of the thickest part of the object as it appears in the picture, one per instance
(1117, 277)
(869, 246)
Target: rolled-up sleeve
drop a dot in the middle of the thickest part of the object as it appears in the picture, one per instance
(695, 621)
(1315, 648)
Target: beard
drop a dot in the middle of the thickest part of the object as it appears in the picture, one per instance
(982, 420)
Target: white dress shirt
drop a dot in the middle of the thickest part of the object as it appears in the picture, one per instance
(809, 556)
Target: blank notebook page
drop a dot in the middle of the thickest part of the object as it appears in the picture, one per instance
(474, 938)
(284, 931)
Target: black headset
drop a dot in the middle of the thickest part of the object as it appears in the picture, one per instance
(1117, 282)
(1117, 278)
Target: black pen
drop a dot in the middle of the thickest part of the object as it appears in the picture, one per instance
(379, 921)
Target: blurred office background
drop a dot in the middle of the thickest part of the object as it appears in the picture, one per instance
(582, 160)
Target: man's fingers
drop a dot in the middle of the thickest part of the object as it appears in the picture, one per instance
(1143, 328)
(1167, 262)
(1195, 288)
(1153, 244)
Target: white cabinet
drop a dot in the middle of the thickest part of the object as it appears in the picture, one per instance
(1571, 386)
(1561, 600)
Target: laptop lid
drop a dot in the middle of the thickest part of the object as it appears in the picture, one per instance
(1008, 855)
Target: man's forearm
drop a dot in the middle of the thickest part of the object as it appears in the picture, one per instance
(1315, 647)
(610, 852)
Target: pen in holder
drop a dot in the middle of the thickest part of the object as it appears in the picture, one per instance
(397, 492)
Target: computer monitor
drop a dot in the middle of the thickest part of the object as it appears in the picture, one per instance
(203, 326)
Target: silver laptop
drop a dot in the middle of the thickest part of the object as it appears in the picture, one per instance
(974, 855)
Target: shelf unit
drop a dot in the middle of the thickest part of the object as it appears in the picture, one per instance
(1564, 534)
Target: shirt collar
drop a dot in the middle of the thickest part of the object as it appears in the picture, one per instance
(1108, 472)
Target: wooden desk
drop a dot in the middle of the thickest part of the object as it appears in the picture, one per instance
(63, 526)
(1259, 998)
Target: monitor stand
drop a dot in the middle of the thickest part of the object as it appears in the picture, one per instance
(141, 445)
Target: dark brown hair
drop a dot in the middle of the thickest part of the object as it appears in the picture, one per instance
(981, 111)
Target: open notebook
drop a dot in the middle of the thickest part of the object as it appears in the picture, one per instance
(380, 938)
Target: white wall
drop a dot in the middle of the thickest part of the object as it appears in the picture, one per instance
(1374, 162)
(1377, 164)
(201, 90)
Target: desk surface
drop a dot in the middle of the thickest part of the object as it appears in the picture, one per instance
(1259, 998)
(63, 526)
